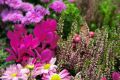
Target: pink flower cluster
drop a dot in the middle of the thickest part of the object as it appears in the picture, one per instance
(34, 53)
(32, 69)
(18, 8)
(41, 44)
(18, 11)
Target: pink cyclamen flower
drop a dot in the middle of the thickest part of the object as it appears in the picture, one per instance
(15, 72)
(58, 6)
(116, 76)
(47, 67)
(22, 45)
(63, 75)
(45, 32)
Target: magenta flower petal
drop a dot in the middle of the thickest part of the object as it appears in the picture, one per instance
(12, 55)
(45, 32)
(46, 55)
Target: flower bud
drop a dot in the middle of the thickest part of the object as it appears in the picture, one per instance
(103, 78)
(76, 38)
(91, 34)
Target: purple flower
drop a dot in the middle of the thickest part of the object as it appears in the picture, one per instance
(45, 1)
(1, 1)
(58, 6)
(116, 76)
(32, 17)
(45, 32)
(41, 10)
(27, 6)
(11, 15)
(14, 3)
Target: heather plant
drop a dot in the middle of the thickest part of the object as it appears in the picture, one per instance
(90, 57)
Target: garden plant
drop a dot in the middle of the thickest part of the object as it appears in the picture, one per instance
(59, 40)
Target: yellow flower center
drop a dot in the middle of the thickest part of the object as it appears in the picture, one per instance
(55, 77)
(14, 75)
(46, 66)
(30, 66)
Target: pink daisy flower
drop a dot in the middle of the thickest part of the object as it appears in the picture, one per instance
(50, 66)
(33, 67)
(63, 75)
(15, 72)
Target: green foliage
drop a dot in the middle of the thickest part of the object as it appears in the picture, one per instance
(3, 56)
(107, 9)
(69, 15)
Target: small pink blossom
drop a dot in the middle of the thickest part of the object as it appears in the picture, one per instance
(91, 34)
